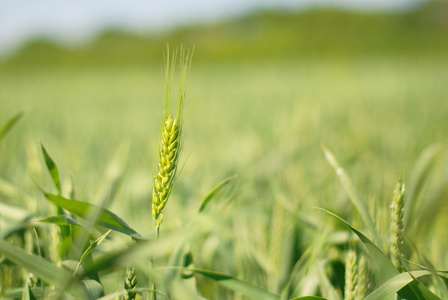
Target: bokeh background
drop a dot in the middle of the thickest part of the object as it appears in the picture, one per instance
(271, 81)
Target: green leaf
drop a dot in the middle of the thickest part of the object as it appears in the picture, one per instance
(426, 268)
(54, 172)
(136, 254)
(420, 172)
(8, 125)
(309, 298)
(214, 192)
(40, 267)
(188, 261)
(27, 294)
(89, 250)
(353, 194)
(94, 289)
(106, 193)
(106, 218)
(237, 285)
(60, 220)
(52, 168)
(396, 283)
(176, 259)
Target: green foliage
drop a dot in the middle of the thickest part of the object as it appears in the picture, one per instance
(351, 190)
(9, 125)
(52, 168)
(396, 283)
(89, 250)
(237, 285)
(261, 113)
(41, 267)
(106, 218)
(214, 192)
(61, 220)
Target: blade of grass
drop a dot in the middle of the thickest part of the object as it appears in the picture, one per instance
(89, 250)
(40, 267)
(237, 285)
(309, 298)
(52, 168)
(215, 191)
(353, 194)
(60, 220)
(422, 168)
(395, 284)
(134, 254)
(94, 289)
(10, 124)
(328, 289)
(27, 293)
(106, 218)
(54, 172)
(105, 195)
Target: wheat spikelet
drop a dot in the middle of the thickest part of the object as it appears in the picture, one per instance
(171, 134)
(351, 276)
(397, 239)
(130, 283)
(363, 279)
(30, 246)
(276, 242)
(167, 163)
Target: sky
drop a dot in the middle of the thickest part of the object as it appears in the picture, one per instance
(76, 22)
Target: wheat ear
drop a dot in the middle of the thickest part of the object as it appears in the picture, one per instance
(351, 276)
(363, 279)
(397, 239)
(130, 283)
(171, 134)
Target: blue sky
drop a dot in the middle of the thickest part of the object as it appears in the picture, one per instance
(76, 22)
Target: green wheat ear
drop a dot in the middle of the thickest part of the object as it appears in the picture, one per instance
(130, 283)
(171, 134)
(397, 238)
(351, 275)
(363, 279)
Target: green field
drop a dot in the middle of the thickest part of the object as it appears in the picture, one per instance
(265, 118)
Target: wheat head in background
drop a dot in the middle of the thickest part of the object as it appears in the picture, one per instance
(397, 238)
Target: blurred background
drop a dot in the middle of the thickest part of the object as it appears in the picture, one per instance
(270, 82)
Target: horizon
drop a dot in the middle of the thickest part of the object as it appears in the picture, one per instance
(73, 24)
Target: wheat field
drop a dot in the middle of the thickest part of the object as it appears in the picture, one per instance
(286, 144)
